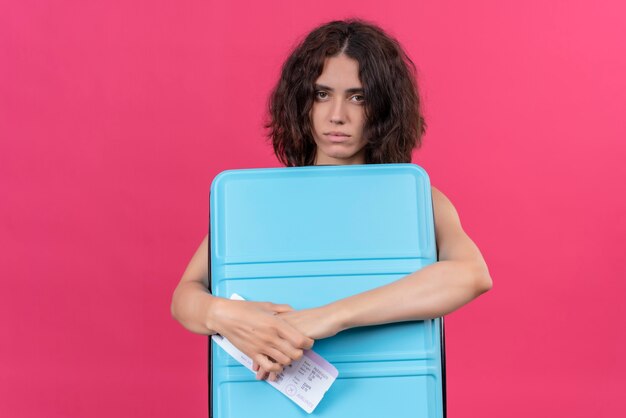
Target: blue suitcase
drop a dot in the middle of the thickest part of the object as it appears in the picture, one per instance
(307, 236)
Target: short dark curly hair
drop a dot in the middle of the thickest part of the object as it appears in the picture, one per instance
(394, 122)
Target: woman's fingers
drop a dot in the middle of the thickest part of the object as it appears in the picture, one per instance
(262, 375)
(294, 337)
(287, 339)
(278, 356)
(266, 364)
(257, 330)
(285, 347)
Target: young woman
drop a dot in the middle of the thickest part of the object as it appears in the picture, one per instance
(346, 95)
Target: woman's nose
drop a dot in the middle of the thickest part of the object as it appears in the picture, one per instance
(338, 112)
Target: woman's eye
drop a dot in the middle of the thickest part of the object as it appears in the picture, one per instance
(321, 95)
(358, 98)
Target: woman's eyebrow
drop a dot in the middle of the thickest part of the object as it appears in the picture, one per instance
(350, 90)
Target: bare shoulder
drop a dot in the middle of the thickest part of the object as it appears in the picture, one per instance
(452, 241)
(446, 215)
(198, 268)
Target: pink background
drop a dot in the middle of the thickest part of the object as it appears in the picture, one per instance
(115, 116)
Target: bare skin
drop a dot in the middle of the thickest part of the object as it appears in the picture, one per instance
(253, 327)
(275, 335)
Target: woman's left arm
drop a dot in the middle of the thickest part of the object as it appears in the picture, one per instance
(459, 276)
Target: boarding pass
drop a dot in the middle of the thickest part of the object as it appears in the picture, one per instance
(304, 381)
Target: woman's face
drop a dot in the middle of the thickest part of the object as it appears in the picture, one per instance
(338, 113)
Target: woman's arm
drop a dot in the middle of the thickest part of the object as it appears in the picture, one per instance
(253, 327)
(458, 277)
(191, 302)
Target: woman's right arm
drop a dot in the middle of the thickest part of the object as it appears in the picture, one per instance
(253, 327)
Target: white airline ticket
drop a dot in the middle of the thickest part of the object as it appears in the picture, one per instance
(304, 381)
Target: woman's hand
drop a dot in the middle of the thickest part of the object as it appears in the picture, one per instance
(316, 323)
(256, 329)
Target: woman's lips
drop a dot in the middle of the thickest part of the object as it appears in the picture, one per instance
(336, 137)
